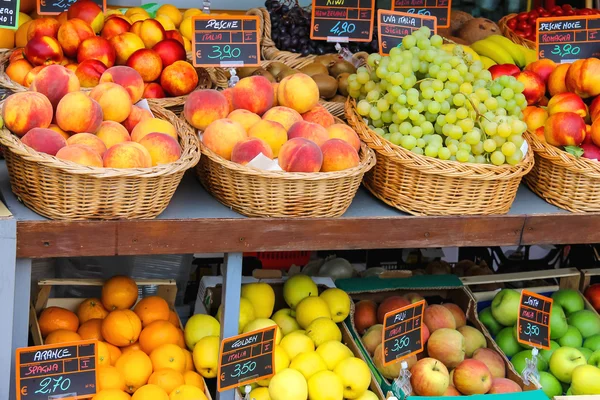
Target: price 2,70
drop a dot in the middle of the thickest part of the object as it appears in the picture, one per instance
(52, 384)
(243, 369)
(401, 343)
(342, 27)
(532, 330)
(565, 50)
(422, 11)
(224, 52)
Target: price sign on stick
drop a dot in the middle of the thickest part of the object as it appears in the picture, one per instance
(439, 9)
(55, 7)
(66, 370)
(568, 39)
(226, 41)
(342, 20)
(402, 333)
(9, 13)
(533, 323)
(392, 26)
(246, 358)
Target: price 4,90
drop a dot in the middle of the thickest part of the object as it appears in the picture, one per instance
(243, 369)
(565, 50)
(342, 27)
(532, 330)
(401, 343)
(225, 52)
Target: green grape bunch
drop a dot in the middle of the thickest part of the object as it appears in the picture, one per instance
(441, 105)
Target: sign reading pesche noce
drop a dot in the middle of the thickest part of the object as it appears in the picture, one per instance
(568, 39)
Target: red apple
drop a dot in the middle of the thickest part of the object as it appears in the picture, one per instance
(567, 102)
(425, 334)
(438, 317)
(448, 346)
(459, 315)
(492, 360)
(503, 69)
(534, 86)
(472, 377)
(390, 304)
(565, 129)
(365, 315)
(592, 294)
(429, 377)
(504, 385)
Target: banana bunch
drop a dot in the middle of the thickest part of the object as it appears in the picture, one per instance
(497, 49)
(449, 48)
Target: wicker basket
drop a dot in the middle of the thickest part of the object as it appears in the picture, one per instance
(509, 33)
(65, 190)
(562, 179)
(258, 193)
(422, 185)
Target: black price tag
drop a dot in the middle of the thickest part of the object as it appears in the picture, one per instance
(402, 333)
(568, 39)
(4, 92)
(533, 324)
(9, 13)
(55, 7)
(392, 26)
(434, 8)
(247, 358)
(57, 371)
(342, 20)
(226, 41)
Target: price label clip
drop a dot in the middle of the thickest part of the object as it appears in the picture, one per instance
(402, 382)
(531, 373)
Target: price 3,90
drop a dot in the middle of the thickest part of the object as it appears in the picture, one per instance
(565, 50)
(243, 369)
(225, 52)
(401, 343)
(532, 330)
(342, 27)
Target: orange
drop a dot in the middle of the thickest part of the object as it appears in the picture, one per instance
(133, 346)
(91, 309)
(121, 328)
(157, 333)
(111, 394)
(109, 378)
(152, 309)
(150, 392)
(62, 336)
(168, 379)
(91, 329)
(103, 354)
(194, 379)
(187, 392)
(135, 368)
(174, 318)
(189, 360)
(181, 340)
(54, 318)
(119, 293)
(168, 356)
(21, 34)
(115, 353)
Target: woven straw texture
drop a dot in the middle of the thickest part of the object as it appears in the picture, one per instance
(509, 33)
(422, 185)
(64, 190)
(562, 179)
(258, 193)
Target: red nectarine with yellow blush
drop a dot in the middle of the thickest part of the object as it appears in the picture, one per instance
(203, 107)
(44, 140)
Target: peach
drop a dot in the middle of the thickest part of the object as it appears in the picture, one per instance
(298, 91)
(127, 77)
(151, 32)
(202, 107)
(589, 138)
(543, 67)
(77, 112)
(254, 94)
(179, 78)
(319, 115)
(438, 317)
(273, 133)
(114, 100)
(163, 148)
(275, 100)
(567, 102)
(89, 73)
(448, 346)
(97, 48)
(137, 114)
(539, 133)
(88, 11)
(244, 117)
(344, 132)
(564, 129)
(284, 115)
(228, 93)
(174, 34)
(43, 50)
(556, 80)
(44, 140)
(460, 318)
(583, 77)
(492, 360)
(534, 117)
(595, 109)
(300, 155)
(89, 140)
(309, 130)
(338, 156)
(55, 81)
(222, 135)
(80, 154)
(126, 155)
(16, 55)
(504, 385)
(32, 74)
(147, 62)
(170, 50)
(114, 27)
(43, 27)
(125, 45)
(111, 133)
(595, 132)
(24, 111)
(72, 33)
(150, 125)
(246, 150)
(534, 86)
(18, 70)
(145, 152)
(57, 129)
(153, 91)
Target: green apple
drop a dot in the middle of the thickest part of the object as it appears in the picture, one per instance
(558, 322)
(564, 361)
(586, 380)
(507, 342)
(569, 391)
(505, 307)
(586, 321)
(486, 317)
(546, 354)
(570, 300)
(592, 343)
(550, 385)
(594, 359)
(572, 338)
(519, 361)
(586, 352)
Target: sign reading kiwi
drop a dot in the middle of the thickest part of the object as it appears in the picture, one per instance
(392, 26)
(55, 7)
(439, 9)
(342, 21)
(403, 332)
(568, 39)
(9, 13)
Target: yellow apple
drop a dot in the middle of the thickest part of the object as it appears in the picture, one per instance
(246, 314)
(338, 302)
(325, 385)
(282, 361)
(355, 375)
(261, 323)
(206, 356)
(311, 308)
(332, 352)
(286, 322)
(262, 297)
(199, 326)
(288, 384)
(308, 364)
(297, 288)
(322, 330)
(296, 343)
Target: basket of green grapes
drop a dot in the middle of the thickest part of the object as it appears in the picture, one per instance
(448, 138)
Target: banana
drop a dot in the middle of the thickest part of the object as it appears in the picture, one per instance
(492, 50)
(516, 51)
(449, 48)
(530, 56)
(487, 62)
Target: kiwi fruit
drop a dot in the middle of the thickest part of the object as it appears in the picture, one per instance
(341, 67)
(327, 85)
(276, 67)
(244, 72)
(314, 69)
(286, 72)
(338, 98)
(265, 73)
(327, 59)
(342, 81)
